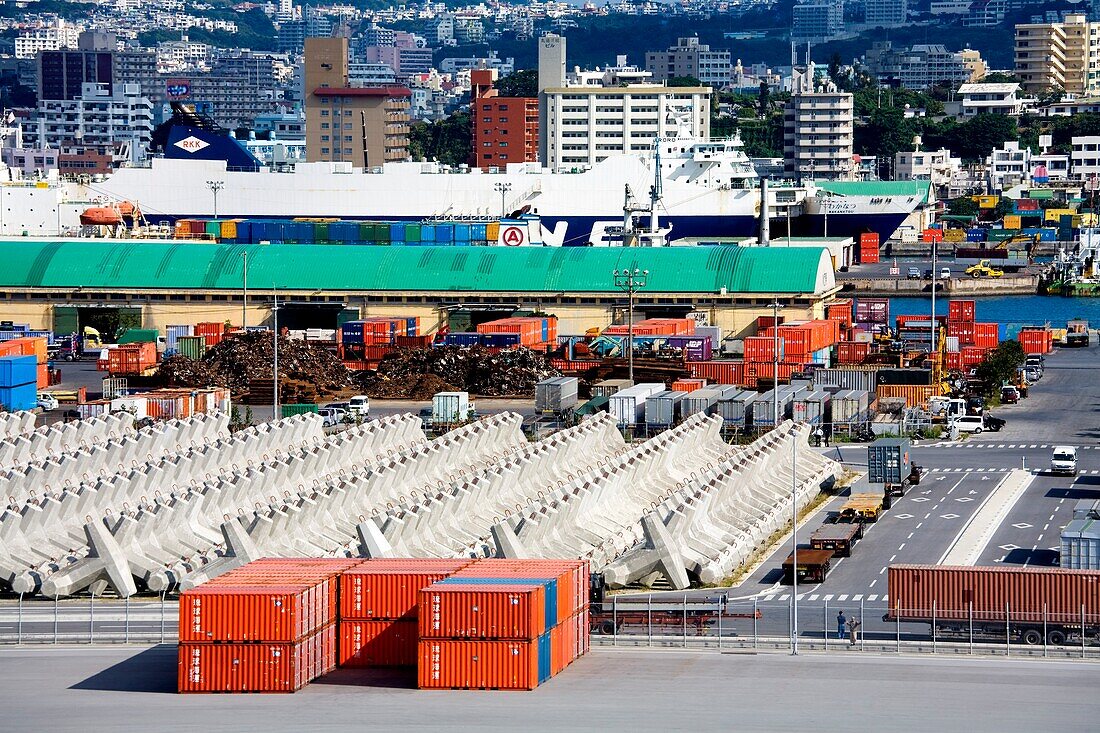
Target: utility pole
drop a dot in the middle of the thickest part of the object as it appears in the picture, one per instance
(214, 187)
(934, 346)
(775, 362)
(244, 290)
(794, 543)
(275, 365)
(630, 281)
(503, 188)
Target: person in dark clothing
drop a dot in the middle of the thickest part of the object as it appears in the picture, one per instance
(841, 621)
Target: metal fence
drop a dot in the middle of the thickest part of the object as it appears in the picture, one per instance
(658, 621)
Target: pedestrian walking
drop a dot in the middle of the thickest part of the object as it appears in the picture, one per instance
(853, 630)
(841, 622)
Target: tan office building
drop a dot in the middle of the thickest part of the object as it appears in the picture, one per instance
(1062, 56)
(364, 126)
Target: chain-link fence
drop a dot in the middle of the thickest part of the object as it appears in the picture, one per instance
(843, 626)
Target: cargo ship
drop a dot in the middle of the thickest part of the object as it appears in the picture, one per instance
(701, 190)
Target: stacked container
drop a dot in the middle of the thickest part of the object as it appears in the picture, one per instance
(868, 247)
(212, 333)
(690, 385)
(269, 626)
(655, 327)
(18, 383)
(714, 372)
(132, 359)
(378, 609)
(31, 346)
(503, 624)
(533, 331)
(1036, 340)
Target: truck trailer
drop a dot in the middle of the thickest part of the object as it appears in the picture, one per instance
(1024, 604)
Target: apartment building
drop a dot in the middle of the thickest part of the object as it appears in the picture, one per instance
(691, 58)
(1008, 166)
(365, 126)
(506, 129)
(818, 129)
(938, 167)
(1085, 158)
(60, 34)
(1002, 98)
(817, 20)
(1063, 55)
(101, 116)
(923, 66)
(885, 13)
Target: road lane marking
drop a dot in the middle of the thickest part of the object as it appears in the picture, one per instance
(910, 536)
(893, 557)
(813, 597)
(901, 546)
(857, 597)
(1045, 526)
(1039, 538)
(919, 524)
(926, 516)
(880, 572)
(827, 597)
(874, 596)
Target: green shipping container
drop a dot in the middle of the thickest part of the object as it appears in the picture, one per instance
(381, 233)
(138, 335)
(412, 232)
(214, 228)
(998, 235)
(320, 231)
(365, 231)
(193, 347)
(297, 409)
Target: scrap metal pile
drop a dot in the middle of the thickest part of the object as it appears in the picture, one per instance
(249, 357)
(419, 373)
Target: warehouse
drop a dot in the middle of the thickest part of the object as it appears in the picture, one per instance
(48, 283)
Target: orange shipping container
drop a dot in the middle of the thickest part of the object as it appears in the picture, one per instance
(388, 589)
(482, 611)
(277, 611)
(852, 352)
(29, 346)
(378, 643)
(840, 310)
(265, 667)
(914, 394)
(986, 335)
(43, 375)
(495, 665)
(688, 385)
(762, 348)
(571, 577)
(717, 372)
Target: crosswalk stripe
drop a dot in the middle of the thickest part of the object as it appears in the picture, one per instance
(873, 597)
(842, 597)
(828, 597)
(886, 598)
(857, 597)
(785, 597)
(769, 597)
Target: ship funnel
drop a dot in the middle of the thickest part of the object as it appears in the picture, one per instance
(765, 230)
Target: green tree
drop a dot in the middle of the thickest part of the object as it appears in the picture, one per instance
(524, 83)
(765, 98)
(1000, 365)
(887, 132)
(449, 141)
(684, 81)
(999, 77)
(963, 206)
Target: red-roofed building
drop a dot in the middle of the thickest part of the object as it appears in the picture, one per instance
(506, 129)
(366, 126)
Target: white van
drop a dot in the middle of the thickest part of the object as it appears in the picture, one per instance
(1064, 460)
(359, 406)
(968, 424)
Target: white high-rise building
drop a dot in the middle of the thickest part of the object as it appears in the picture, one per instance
(62, 34)
(886, 13)
(97, 118)
(818, 129)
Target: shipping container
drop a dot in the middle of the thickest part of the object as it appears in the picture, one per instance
(378, 643)
(865, 379)
(763, 412)
(888, 460)
(763, 348)
(734, 408)
(572, 577)
(716, 372)
(852, 352)
(193, 347)
(663, 408)
(556, 395)
(494, 665)
(139, 335)
(450, 407)
(872, 310)
(482, 611)
(811, 407)
(704, 400)
(990, 593)
(276, 611)
(608, 387)
(915, 395)
(850, 406)
(627, 406)
(1080, 544)
(262, 667)
(961, 310)
(388, 588)
(19, 397)
(688, 385)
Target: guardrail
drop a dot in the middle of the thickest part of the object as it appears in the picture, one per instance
(658, 622)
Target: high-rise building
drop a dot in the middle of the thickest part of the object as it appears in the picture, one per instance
(61, 34)
(922, 66)
(818, 129)
(551, 75)
(63, 74)
(101, 116)
(817, 20)
(364, 126)
(1063, 55)
(506, 129)
(690, 58)
(885, 13)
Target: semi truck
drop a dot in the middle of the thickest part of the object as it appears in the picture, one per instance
(1025, 604)
(1077, 332)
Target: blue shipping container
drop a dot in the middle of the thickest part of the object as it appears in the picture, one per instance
(975, 235)
(545, 665)
(411, 329)
(352, 332)
(479, 232)
(502, 340)
(463, 339)
(427, 233)
(445, 233)
(23, 397)
(18, 370)
(462, 233)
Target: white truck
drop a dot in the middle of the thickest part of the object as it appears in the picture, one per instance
(1063, 461)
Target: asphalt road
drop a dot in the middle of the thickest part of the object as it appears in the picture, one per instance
(88, 689)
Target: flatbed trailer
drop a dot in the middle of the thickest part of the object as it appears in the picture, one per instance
(863, 508)
(813, 566)
(613, 618)
(838, 538)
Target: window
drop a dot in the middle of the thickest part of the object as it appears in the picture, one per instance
(324, 151)
(324, 138)
(347, 151)
(503, 119)
(347, 125)
(503, 144)
(324, 113)
(324, 125)
(347, 138)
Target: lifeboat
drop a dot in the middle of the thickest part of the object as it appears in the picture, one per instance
(107, 215)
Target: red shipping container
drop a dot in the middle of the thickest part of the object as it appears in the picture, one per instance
(493, 665)
(868, 239)
(482, 611)
(378, 643)
(972, 356)
(840, 310)
(1036, 341)
(932, 235)
(717, 372)
(961, 310)
(412, 342)
(762, 348)
(765, 322)
(1028, 594)
(766, 370)
(869, 257)
(571, 577)
(388, 589)
(963, 330)
(43, 375)
(265, 667)
(953, 360)
(688, 385)
(852, 352)
(986, 335)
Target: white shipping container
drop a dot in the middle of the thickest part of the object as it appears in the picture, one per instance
(93, 409)
(556, 394)
(137, 406)
(628, 406)
(1080, 547)
(449, 407)
(172, 334)
(701, 400)
(732, 407)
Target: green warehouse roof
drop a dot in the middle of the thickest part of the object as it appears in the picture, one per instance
(102, 264)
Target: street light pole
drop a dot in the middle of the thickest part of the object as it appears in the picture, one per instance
(775, 360)
(630, 281)
(794, 543)
(244, 291)
(504, 188)
(214, 187)
(275, 365)
(933, 347)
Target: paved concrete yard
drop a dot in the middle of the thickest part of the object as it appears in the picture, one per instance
(93, 689)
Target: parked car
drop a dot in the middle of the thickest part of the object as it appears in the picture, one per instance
(913, 274)
(968, 424)
(1064, 460)
(332, 416)
(945, 273)
(1010, 395)
(928, 274)
(47, 401)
